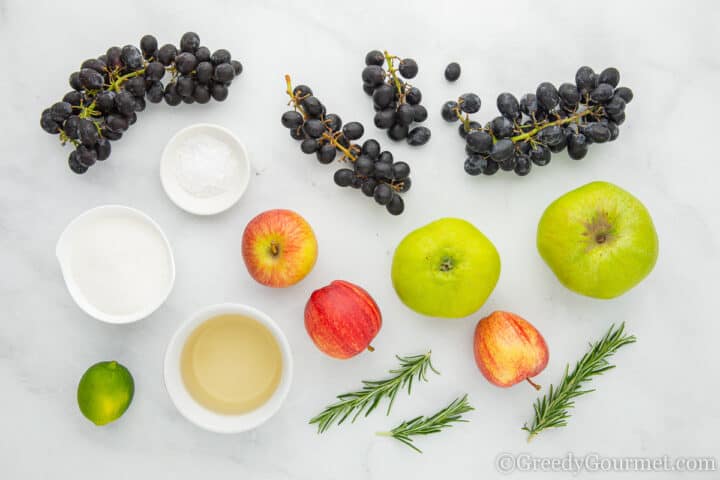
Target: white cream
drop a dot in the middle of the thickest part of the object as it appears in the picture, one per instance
(116, 261)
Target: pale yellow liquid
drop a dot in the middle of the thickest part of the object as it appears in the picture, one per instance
(231, 364)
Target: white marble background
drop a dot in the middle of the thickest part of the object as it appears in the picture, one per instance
(662, 398)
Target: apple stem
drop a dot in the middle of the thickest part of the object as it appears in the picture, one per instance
(535, 385)
(370, 348)
(274, 249)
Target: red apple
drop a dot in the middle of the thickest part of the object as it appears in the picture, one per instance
(342, 319)
(279, 248)
(508, 349)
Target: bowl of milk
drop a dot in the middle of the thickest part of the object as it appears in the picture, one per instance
(117, 263)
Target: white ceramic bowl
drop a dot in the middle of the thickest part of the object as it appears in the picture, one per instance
(204, 205)
(198, 414)
(64, 249)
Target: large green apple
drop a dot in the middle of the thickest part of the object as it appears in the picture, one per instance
(598, 239)
(447, 268)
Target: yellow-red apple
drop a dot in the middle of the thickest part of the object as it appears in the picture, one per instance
(279, 248)
(342, 319)
(508, 349)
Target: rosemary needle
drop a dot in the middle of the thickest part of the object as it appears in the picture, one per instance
(551, 410)
(365, 400)
(428, 425)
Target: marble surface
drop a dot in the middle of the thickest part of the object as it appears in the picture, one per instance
(662, 398)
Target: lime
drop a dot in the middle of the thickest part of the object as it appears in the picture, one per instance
(105, 392)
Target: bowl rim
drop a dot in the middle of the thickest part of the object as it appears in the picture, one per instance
(200, 415)
(73, 288)
(200, 206)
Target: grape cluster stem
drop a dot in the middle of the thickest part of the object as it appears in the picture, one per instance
(295, 102)
(64, 138)
(115, 85)
(593, 110)
(331, 139)
(89, 111)
(393, 73)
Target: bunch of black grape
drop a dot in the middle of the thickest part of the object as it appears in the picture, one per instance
(108, 91)
(396, 102)
(372, 171)
(529, 131)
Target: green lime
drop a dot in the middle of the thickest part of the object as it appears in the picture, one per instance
(105, 392)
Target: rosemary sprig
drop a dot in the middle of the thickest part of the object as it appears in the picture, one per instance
(427, 425)
(353, 404)
(551, 410)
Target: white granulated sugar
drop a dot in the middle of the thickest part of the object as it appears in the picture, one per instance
(205, 166)
(120, 264)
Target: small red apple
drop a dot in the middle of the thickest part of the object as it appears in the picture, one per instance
(342, 319)
(508, 349)
(279, 248)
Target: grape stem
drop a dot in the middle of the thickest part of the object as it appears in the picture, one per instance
(64, 138)
(89, 111)
(393, 73)
(326, 136)
(464, 119)
(396, 186)
(115, 85)
(562, 121)
(333, 141)
(593, 110)
(293, 98)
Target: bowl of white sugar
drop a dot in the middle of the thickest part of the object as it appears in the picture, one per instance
(117, 263)
(204, 169)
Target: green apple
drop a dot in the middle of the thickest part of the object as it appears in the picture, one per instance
(599, 240)
(447, 268)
